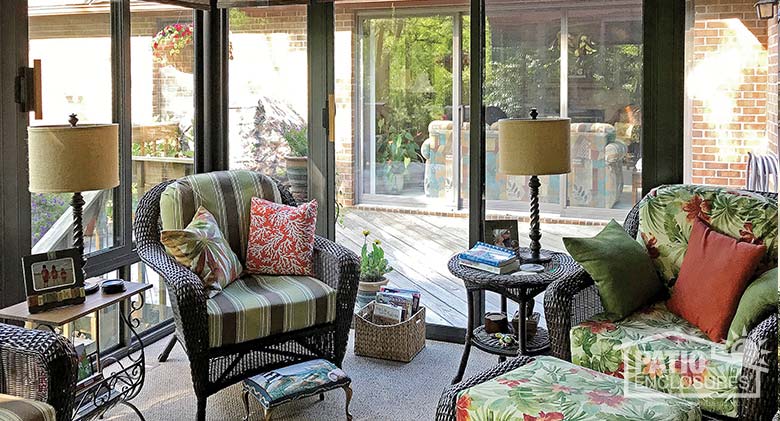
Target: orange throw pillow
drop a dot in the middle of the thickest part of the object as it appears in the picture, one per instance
(281, 238)
(715, 271)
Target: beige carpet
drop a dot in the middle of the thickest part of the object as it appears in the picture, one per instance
(383, 390)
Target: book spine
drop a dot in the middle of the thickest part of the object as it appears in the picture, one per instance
(470, 258)
(486, 268)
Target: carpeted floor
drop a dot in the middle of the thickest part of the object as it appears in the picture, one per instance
(383, 390)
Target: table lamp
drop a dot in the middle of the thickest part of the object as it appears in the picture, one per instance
(534, 147)
(74, 159)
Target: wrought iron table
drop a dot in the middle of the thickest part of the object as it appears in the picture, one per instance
(521, 288)
(105, 388)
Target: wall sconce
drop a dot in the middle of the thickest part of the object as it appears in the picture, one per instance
(765, 9)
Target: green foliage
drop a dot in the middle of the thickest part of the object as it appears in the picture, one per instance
(298, 141)
(373, 264)
(46, 208)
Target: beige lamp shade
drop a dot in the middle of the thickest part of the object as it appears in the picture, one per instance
(65, 159)
(534, 147)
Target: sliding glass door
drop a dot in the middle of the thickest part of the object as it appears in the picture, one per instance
(410, 107)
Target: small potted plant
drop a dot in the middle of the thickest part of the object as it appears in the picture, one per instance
(373, 267)
(298, 162)
(400, 151)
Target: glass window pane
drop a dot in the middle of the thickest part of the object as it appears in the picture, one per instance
(269, 91)
(163, 111)
(74, 46)
(731, 92)
(157, 307)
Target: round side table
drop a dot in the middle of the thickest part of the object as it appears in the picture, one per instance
(516, 287)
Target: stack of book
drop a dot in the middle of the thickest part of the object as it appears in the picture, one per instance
(490, 258)
(395, 305)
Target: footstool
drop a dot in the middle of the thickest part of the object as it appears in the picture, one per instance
(293, 382)
(546, 388)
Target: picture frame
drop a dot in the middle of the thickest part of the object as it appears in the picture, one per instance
(53, 279)
(502, 233)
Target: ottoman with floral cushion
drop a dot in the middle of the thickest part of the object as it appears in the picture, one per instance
(548, 389)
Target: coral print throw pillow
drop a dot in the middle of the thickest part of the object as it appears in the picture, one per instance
(281, 238)
(203, 249)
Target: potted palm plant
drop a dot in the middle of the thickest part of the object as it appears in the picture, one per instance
(373, 267)
(298, 162)
(399, 153)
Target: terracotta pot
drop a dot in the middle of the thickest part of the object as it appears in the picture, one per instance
(298, 174)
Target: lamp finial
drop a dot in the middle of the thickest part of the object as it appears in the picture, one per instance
(73, 120)
(533, 114)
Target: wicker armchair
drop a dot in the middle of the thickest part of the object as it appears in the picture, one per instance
(215, 368)
(569, 302)
(38, 365)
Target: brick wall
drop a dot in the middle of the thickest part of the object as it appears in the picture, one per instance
(727, 82)
(773, 50)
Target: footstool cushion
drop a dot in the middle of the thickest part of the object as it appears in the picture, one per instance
(550, 389)
(296, 381)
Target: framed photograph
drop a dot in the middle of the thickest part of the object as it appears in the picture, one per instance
(502, 233)
(53, 279)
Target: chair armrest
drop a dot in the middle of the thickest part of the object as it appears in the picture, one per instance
(39, 365)
(185, 289)
(569, 300)
(759, 372)
(338, 267)
(445, 411)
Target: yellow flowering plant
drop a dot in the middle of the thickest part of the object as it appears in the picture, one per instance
(373, 264)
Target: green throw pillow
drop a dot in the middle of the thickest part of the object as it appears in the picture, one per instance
(759, 298)
(620, 266)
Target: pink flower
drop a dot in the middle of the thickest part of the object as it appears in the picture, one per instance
(650, 242)
(462, 408)
(511, 383)
(604, 398)
(652, 367)
(557, 388)
(697, 207)
(599, 327)
(746, 234)
(544, 416)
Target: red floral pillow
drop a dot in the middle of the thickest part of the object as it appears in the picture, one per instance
(281, 238)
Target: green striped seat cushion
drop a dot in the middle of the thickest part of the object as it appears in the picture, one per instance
(226, 194)
(13, 408)
(257, 306)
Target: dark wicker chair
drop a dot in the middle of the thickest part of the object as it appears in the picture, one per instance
(39, 365)
(214, 369)
(568, 302)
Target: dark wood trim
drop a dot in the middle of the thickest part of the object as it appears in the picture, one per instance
(444, 333)
(663, 103)
(198, 93)
(214, 143)
(322, 153)
(15, 228)
(477, 138)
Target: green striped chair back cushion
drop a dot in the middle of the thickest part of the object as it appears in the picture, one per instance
(226, 194)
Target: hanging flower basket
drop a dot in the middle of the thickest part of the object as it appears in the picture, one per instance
(173, 46)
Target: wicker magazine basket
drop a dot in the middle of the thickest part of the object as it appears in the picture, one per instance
(397, 342)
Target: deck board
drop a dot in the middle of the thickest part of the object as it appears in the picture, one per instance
(419, 247)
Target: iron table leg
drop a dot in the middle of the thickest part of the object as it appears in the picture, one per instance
(464, 359)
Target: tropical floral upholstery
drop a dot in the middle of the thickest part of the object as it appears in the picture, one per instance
(656, 348)
(667, 213)
(226, 194)
(549, 389)
(13, 408)
(202, 248)
(596, 177)
(437, 151)
(257, 306)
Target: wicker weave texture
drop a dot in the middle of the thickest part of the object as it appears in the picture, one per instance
(574, 299)
(397, 342)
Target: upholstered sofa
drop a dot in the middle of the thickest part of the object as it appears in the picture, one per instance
(596, 179)
(739, 381)
(38, 374)
(258, 322)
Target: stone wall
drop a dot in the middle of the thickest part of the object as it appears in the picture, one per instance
(728, 84)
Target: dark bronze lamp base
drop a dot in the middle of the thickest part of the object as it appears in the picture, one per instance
(526, 257)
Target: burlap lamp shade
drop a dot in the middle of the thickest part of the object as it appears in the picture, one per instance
(534, 147)
(65, 159)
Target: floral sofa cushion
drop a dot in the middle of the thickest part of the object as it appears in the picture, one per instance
(658, 349)
(549, 389)
(666, 217)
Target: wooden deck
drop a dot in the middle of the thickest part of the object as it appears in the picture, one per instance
(419, 247)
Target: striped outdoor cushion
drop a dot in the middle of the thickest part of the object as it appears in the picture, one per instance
(226, 194)
(13, 408)
(257, 306)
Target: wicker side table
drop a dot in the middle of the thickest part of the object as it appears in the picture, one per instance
(519, 288)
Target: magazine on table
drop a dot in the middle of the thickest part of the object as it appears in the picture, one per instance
(489, 254)
(414, 293)
(499, 270)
